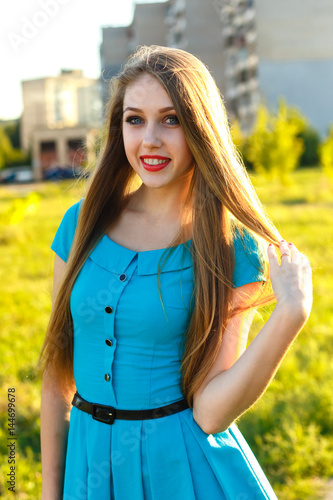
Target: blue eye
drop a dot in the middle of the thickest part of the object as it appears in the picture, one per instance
(172, 120)
(134, 120)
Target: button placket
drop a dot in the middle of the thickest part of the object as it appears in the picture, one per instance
(109, 340)
(117, 284)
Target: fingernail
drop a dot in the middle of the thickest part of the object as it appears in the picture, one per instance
(289, 243)
(282, 241)
(270, 245)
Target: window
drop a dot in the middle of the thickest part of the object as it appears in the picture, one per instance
(47, 146)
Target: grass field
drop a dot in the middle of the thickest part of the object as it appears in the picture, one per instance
(290, 429)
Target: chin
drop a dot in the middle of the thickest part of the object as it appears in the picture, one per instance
(154, 179)
(152, 184)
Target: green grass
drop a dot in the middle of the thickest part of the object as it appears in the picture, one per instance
(289, 428)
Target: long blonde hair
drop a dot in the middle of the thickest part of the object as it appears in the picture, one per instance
(220, 191)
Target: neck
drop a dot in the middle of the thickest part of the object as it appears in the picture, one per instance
(160, 205)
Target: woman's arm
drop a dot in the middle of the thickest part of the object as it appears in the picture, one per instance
(54, 417)
(229, 392)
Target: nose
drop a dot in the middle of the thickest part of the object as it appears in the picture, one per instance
(151, 138)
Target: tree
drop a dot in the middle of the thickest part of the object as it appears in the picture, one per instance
(12, 129)
(6, 148)
(311, 139)
(259, 143)
(326, 154)
(8, 155)
(274, 147)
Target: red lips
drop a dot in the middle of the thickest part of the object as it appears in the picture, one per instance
(154, 168)
(155, 157)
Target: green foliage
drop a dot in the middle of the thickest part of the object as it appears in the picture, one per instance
(18, 159)
(238, 136)
(13, 132)
(8, 155)
(326, 154)
(290, 429)
(240, 140)
(6, 148)
(311, 141)
(274, 147)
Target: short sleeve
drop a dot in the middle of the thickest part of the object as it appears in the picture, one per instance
(64, 236)
(249, 260)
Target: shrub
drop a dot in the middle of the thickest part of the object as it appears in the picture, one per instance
(274, 147)
(311, 141)
(326, 154)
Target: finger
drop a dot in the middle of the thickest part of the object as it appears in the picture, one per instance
(305, 262)
(272, 258)
(295, 253)
(285, 252)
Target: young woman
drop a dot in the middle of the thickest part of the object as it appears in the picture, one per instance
(155, 289)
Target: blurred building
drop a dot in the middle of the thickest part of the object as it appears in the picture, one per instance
(195, 26)
(60, 117)
(241, 84)
(295, 52)
(114, 51)
(148, 27)
(255, 49)
(192, 25)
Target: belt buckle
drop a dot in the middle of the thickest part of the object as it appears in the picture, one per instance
(105, 414)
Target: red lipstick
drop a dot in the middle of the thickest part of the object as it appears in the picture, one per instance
(154, 168)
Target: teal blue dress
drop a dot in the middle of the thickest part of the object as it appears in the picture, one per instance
(161, 459)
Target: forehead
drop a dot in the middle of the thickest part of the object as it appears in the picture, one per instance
(146, 90)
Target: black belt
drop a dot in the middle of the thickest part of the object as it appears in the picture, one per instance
(107, 414)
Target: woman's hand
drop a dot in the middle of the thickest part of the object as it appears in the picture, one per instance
(229, 391)
(292, 280)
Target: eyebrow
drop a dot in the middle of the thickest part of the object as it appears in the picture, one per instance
(138, 110)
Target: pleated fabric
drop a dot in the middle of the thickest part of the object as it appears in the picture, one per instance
(159, 459)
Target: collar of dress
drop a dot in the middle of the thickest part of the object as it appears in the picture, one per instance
(115, 258)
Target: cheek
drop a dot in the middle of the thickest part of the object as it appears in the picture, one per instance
(183, 148)
(129, 143)
(187, 154)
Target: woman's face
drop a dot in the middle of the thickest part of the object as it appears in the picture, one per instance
(154, 141)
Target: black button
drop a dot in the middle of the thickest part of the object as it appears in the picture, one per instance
(107, 377)
(108, 342)
(122, 277)
(108, 309)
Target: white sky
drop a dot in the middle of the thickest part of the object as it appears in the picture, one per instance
(39, 37)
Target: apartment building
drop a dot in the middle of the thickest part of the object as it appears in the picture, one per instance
(174, 23)
(60, 116)
(257, 50)
(147, 28)
(295, 56)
